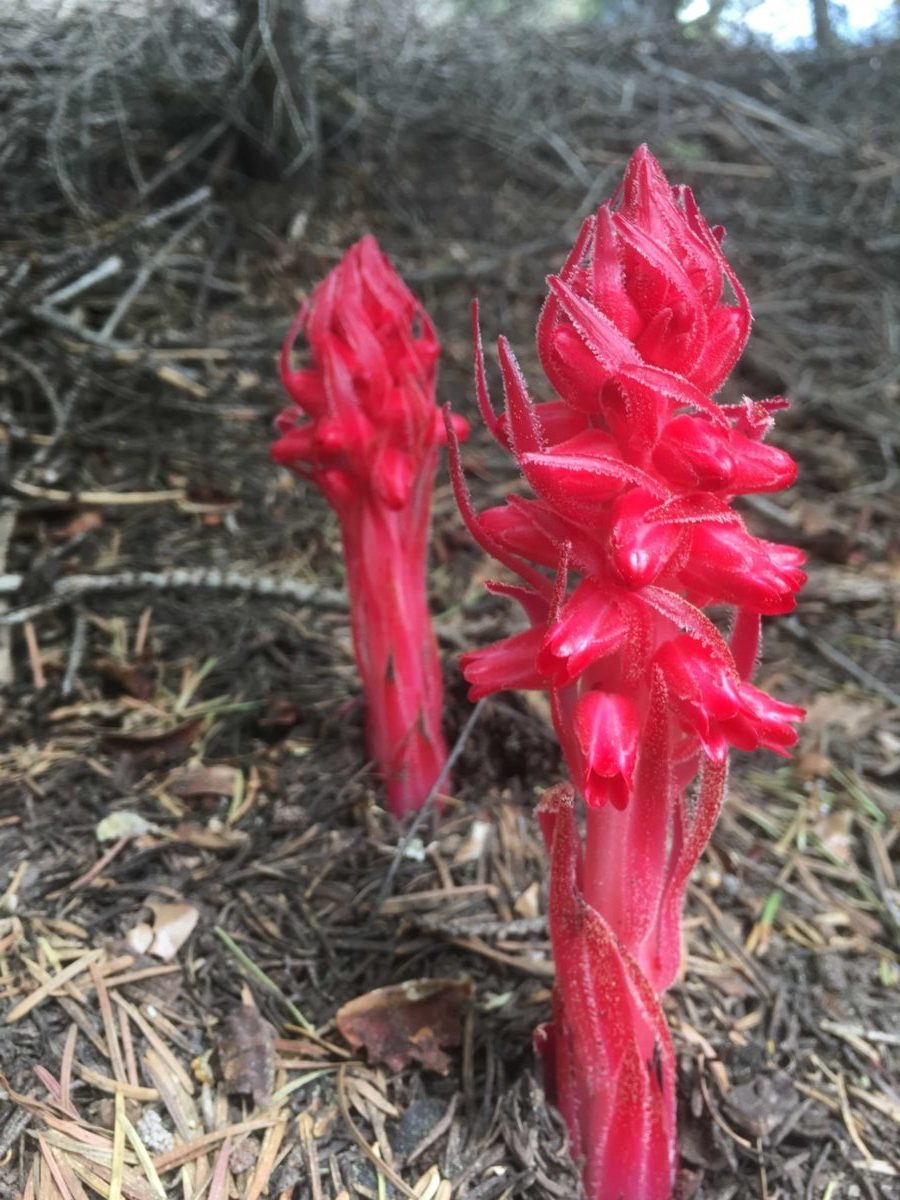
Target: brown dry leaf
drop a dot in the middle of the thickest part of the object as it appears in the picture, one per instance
(813, 764)
(762, 1104)
(834, 831)
(247, 1049)
(282, 713)
(838, 710)
(528, 904)
(154, 747)
(138, 678)
(199, 780)
(173, 924)
(408, 1022)
(75, 526)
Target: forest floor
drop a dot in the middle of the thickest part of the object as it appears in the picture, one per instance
(196, 872)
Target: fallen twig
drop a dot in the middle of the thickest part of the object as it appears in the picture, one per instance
(841, 660)
(423, 812)
(74, 587)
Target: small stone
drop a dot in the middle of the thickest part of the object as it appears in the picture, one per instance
(155, 1136)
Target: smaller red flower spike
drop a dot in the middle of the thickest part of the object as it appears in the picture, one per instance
(364, 428)
(630, 535)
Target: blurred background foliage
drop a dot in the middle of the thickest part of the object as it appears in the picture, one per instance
(473, 135)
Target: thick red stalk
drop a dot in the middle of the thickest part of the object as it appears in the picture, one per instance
(618, 1099)
(364, 428)
(385, 552)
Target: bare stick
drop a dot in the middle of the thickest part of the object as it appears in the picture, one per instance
(104, 270)
(426, 808)
(145, 274)
(8, 512)
(839, 659)
(76, 654)
(73, 587)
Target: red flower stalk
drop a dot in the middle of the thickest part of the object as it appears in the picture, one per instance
(634, 468)
(365, 429)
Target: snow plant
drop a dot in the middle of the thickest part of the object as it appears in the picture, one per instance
(364, 427)
(629, 536)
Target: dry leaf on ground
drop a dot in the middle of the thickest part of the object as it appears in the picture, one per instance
(409, 1022)
(173, 925)
(247, 1050)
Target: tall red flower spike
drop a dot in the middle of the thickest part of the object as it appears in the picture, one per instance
(630, 535)
(365, 429)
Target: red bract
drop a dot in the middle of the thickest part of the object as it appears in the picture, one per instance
(634, 467)
(364, 428)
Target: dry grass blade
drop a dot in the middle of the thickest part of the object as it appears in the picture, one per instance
(265, 1164)
(163, 1054)
(173, 1159)
(56, 1174)
(40, 994)
(65, 1067)
(377, 1162)
(115, 1087)
(109, 1025)
(175, 1097)
(220, 1182)
(117, 1167)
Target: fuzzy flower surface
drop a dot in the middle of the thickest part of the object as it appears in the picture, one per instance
(364, 428)
(630, 535)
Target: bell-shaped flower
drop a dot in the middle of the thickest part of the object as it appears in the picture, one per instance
(639, 549)
(526, 528)
(762, 722)
(608, 729)
(693, 452)
(709, 697)
(507, 665)
(727, 565)
(704, 689)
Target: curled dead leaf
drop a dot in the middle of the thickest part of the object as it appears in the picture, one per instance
(154, 747)
(173, 924)
(138, 678)
(140, 938)
(247, 1050)
(408, 1022)
(762, 1104)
